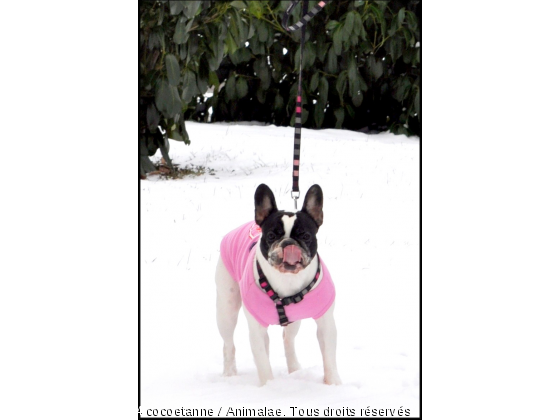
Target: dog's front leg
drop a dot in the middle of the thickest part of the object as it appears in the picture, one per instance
(326, 334)
(258, 336)
(289, 335)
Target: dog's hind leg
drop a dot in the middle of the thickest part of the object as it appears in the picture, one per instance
(289, 336)
(228, 303)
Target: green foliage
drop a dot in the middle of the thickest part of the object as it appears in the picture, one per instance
(361, 64)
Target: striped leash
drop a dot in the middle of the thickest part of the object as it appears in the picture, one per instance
(297, 136)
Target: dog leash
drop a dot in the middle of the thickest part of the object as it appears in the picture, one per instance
(297, 135)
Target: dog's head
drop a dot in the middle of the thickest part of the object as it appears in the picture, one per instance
(289, 240)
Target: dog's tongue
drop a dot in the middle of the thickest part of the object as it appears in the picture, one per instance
(292, 254)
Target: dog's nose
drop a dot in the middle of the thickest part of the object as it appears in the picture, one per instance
(287, 242)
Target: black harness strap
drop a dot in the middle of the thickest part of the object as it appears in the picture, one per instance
(281, 302)
(297, 136)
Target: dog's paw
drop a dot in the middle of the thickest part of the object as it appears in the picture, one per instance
(294, 367)
(230, 371)
(264, 381)
(332, 379)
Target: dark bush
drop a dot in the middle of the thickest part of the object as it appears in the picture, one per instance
(361, 65)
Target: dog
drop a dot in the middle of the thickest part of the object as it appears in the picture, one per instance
(271, 267)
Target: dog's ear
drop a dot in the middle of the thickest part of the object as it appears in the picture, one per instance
(265, 204)
(313, 204)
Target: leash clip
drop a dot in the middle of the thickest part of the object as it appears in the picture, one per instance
(295, 197)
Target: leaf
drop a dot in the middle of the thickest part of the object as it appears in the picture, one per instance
(183, 51)
(402, 88)
(191, 8)
(382, 5)
(163, 96)
(350, 111)
(223, 30)
(304, 116)
(409, 55)
(202, 75)
(231, 44)
(243, 28)
(319, 114)
(394, 26)
(183, 129)
(332, 62)
(163, 144)
(261, 95)
(190, 88)
(217, 54)
(173, 71)
(297, 57)
(252, 29)
(362, 85)
(233, 28)
(214, 81)
(322, 49)
(175, 105)
(146, 164)
(375, 66)
(395, 48)
(348, 25)
(332, 25)
(352, 68)
(242, 55)
(314, 82)
(337, 41)
(175, 7)
(181, 35)
(230, 88)
(359, 26)
(309, 55)
(323, 91)
(339, 114)
(256, 9)
(238, 4)
(161, 37)
(400, 16)
(262, 30)
(241, 87)
(257, 47)
(260, 67)
(383, 24)
(408, 37)
(152, 117)
(278, 102)
(357, 98)
(342, 85)
(412, 21)
(193, 47)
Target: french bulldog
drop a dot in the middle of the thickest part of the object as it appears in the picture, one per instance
(271, 267)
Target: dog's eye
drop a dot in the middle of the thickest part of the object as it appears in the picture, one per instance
(270, 236)
(306, 237)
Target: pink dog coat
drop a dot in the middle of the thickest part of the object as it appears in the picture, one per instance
(238, 250)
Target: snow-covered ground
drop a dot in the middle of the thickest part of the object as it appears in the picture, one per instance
(369, 240)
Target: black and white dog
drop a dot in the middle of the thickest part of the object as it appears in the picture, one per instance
(271, 265)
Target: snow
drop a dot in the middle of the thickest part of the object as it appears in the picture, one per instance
(369, 240)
